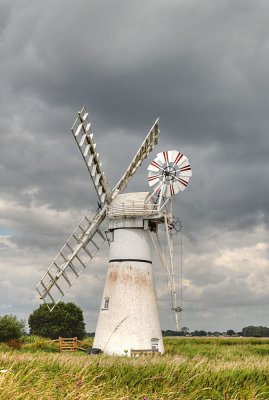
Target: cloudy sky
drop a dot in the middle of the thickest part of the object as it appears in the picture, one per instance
(202, 67)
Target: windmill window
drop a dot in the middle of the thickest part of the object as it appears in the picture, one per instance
(106, 303)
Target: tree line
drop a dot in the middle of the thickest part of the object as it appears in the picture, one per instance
(248, 331)
(66, 320)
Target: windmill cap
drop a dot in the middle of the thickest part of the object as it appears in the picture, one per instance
(138, 204)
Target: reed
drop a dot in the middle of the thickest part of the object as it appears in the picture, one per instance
(230, 369)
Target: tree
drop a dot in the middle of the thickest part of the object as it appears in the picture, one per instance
(10, 328)
(230, 332)
(65, 320)
(169, 332)
(255, 331)
(199, 333)
(185, 330)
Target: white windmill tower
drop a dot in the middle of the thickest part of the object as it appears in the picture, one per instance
(128, 317)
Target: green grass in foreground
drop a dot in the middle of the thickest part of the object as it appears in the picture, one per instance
(192, 369)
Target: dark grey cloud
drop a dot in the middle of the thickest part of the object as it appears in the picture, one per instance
(202, 68)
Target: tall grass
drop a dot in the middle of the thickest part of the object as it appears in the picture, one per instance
(225, 371)
(212, 348)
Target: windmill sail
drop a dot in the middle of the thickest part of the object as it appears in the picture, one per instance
(146, 147)
(71, 261)
(84, 138)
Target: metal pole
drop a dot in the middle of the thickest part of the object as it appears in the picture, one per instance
(171, 256)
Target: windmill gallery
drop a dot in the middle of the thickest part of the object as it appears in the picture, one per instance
(128, 317)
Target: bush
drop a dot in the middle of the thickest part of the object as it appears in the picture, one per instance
(35, 343)
(15, 344)
(10, 328)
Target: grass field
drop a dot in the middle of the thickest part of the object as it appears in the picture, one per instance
(192, 368)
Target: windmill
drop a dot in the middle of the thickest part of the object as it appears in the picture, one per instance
(128, 317)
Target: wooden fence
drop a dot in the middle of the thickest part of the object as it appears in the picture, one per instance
(68, 344)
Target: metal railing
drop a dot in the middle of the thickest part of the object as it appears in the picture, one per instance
(131, 209)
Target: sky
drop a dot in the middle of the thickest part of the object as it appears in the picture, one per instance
(201, 66)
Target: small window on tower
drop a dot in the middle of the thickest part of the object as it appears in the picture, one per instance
(106, 303)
